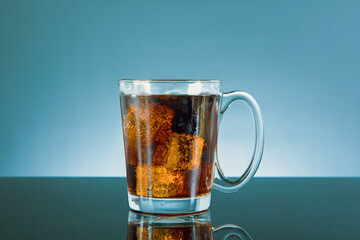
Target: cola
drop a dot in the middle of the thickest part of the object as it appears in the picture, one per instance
(170, 143)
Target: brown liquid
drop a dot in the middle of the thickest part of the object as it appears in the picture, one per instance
(177, 231)
(170, 143)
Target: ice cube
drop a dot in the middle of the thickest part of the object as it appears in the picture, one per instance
(147, 122)
(182, 152)
(157, 181)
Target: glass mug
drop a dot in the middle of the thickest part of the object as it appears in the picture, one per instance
(170, 130)
(182, 227)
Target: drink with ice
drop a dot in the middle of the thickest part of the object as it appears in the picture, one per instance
(170, 143)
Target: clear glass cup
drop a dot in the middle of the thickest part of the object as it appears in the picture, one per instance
(170, 130)
(187, 227)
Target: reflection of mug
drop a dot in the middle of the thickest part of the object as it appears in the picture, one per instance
(170, 135)
(196, 226)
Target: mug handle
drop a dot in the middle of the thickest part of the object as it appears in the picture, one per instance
(231, 230)
(225, 184)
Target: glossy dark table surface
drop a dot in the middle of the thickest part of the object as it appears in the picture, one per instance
(97, 208)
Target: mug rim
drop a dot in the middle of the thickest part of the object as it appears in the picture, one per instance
(171, 80)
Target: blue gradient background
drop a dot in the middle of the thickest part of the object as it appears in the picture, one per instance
(60, 61)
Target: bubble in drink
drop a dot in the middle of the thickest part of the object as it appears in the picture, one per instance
(181, 152)
(157, 181)
(147, 123)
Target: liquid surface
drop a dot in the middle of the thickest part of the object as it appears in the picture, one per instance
(170, 143)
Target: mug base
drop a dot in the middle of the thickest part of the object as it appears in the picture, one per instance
(169, 205)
